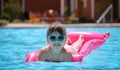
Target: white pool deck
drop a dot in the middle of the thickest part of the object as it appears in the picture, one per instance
(67, 25)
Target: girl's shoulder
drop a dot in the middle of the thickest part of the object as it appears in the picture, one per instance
(43, 53)
(67, 49)
(67, 52)
(44, 49)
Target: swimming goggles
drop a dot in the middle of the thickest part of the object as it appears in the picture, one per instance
(59, 38)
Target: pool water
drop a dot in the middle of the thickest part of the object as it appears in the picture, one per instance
(16, 42)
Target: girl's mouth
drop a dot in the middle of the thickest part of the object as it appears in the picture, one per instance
(56, 44)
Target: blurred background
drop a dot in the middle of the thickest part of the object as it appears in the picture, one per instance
(68, 11)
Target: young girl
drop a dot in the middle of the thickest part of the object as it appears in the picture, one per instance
(57, 49)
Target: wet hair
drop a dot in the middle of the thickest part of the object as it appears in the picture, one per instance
(56, 27)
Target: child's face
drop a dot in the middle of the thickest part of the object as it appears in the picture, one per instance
(56, 41)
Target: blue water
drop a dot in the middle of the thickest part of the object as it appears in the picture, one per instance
(16, 42)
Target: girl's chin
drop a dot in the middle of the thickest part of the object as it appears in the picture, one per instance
(57, 47)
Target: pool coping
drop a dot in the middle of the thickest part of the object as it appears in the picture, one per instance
(25, 25)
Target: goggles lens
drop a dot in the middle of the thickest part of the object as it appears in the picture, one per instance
(59, 38)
